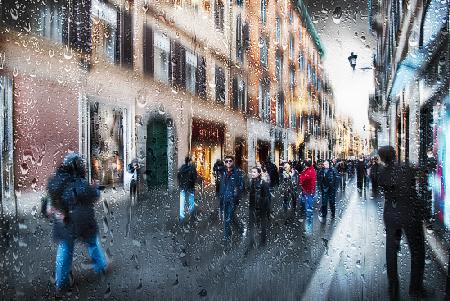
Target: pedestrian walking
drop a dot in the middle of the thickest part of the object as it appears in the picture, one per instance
(73, 216)
(373, 172)
(272, 171)
(361, 174)
(259, 195)
(133, 169)
(231, 189)
(218, 170)
(308, 183)
(403, 213)
(289, 187)
(342, 171)
(187, 177)
(327, 182)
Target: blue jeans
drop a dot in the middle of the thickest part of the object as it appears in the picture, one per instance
(64, 255)
(308, 200)
(228, 216)
(183, 202)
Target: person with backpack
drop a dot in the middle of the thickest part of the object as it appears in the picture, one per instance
(187, 177)
(258, 201)
(72, 211)
(328, 183)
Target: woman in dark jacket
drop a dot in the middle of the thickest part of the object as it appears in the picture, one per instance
(74, 217)
(259, 195)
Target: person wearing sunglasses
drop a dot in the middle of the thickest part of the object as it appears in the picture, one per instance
(231, 188)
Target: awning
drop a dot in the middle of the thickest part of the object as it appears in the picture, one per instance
(436, 18)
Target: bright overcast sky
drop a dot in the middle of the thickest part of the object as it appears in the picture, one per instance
(351, 88)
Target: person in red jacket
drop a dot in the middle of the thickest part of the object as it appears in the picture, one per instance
(308, 184)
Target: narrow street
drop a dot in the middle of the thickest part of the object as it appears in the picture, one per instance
(157, 259)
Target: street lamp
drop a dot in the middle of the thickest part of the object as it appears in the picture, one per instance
(352, 60)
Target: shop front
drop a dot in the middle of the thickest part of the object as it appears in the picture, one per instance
(263, 151)
(207, 146)
(107, 144)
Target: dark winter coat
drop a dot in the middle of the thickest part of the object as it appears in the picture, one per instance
(361, 169)
(259, 195)
(75, 198)
(187, 176)
(272, 170)
(327, 180)
(402, 203)
(231, 185)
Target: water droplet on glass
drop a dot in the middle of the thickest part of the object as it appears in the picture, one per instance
(14, 14)
(68, 53)
(337, 15)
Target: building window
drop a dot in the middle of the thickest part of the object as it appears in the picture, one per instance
(219, 15)
(279, 68)
(161, 55)
(301, 60)
(239, 40)
(278, 30)
(200, 84)
(177, 65)
(264, 11)
(291, 16)
(105, 33)
(239, 95)
(191, 69)
(292, 78)
(264, 100)
(263, 51)
(220, 85)
(49, 19)
(280, 109)
(291, 47)
(240, 2)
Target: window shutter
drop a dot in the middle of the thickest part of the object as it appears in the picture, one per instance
(200, 77)
(118, 37)
(235, 94)
(127, 39)
(148, 51)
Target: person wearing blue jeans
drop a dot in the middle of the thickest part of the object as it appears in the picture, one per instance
(308, 200)
(190, 195)
(73, 214)
(187, 176)
(64, 255)
(231, 188)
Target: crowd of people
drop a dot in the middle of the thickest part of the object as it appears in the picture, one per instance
(299, 184)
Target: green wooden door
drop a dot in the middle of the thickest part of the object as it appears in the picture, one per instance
(156, 169)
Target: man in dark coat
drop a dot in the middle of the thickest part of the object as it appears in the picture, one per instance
(187, 176)
(360, 173)
(373, 176)
(73, 217)
(257, 204)
(231, 188)
(403, 212)
(328, 183)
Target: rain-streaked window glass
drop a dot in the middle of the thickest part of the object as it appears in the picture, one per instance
(104, 30)
(161, 56)
(191, 69)
(239, 94)
(280, 108)
(219, 14)
(239, 39)
(264, 100)
(279, 67)
(291, 47)
(220, 84)
(263, 13)
(263, 51)
(278, 30)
